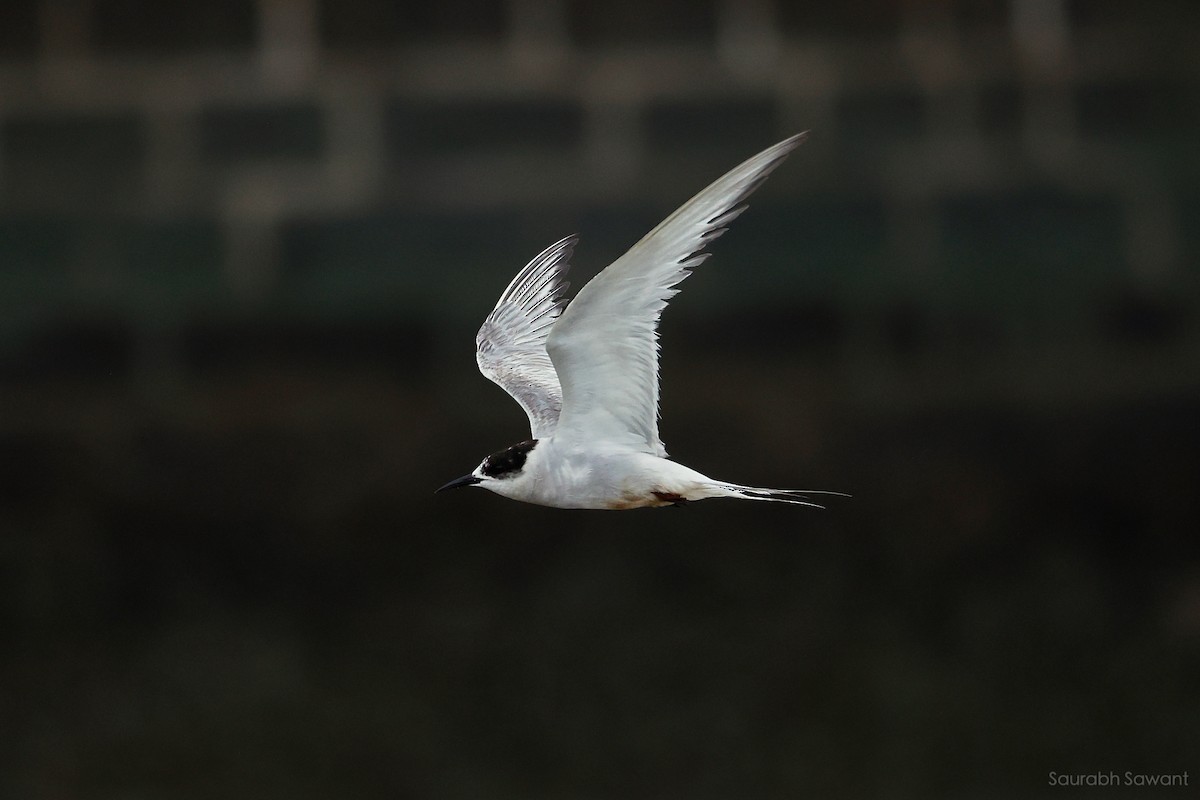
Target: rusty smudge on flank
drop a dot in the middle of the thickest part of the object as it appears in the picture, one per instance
(670, 497)
(651, 499)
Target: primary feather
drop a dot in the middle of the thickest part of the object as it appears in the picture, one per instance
(604, 347)
(511, 344)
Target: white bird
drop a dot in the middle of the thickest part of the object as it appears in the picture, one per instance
(587, 373)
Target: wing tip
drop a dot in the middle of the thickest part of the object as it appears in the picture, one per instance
(775, 154)
(542, 276)
(795, 140)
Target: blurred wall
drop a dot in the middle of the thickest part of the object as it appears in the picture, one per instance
(244, 247)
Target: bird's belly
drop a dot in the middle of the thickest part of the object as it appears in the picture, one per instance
(616, 501)
(617, 481)
(602, 492)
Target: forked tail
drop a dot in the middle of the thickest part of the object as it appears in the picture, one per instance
(796, 496)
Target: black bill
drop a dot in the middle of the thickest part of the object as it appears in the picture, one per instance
(465, 480)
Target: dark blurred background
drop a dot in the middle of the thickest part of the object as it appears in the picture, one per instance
(244, 249)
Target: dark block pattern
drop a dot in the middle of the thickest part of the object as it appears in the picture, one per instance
(881, 116)
(1137, 317)
(216, 346)
(415, 128)
(37, 254)
(169, 268)
(1041, 248)
(625, 24)
(18, 29)
(854, 18)
(232, 134)
(1163, 14)
(88, 160)
(1151, 107)
(172, 246)
(381, 265)
(116, 139)
(78, 346)
(376, 23)
(710, 124)
(36, 244)
(1000, 108)
(131, 26)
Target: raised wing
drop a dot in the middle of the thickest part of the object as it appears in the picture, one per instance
(511, 344)
(605, 345)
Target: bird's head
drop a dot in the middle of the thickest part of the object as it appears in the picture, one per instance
(500, 472)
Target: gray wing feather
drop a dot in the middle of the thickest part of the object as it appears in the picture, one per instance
(605, 347)
(511, 344)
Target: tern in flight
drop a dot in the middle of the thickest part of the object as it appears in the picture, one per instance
(586, 372)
